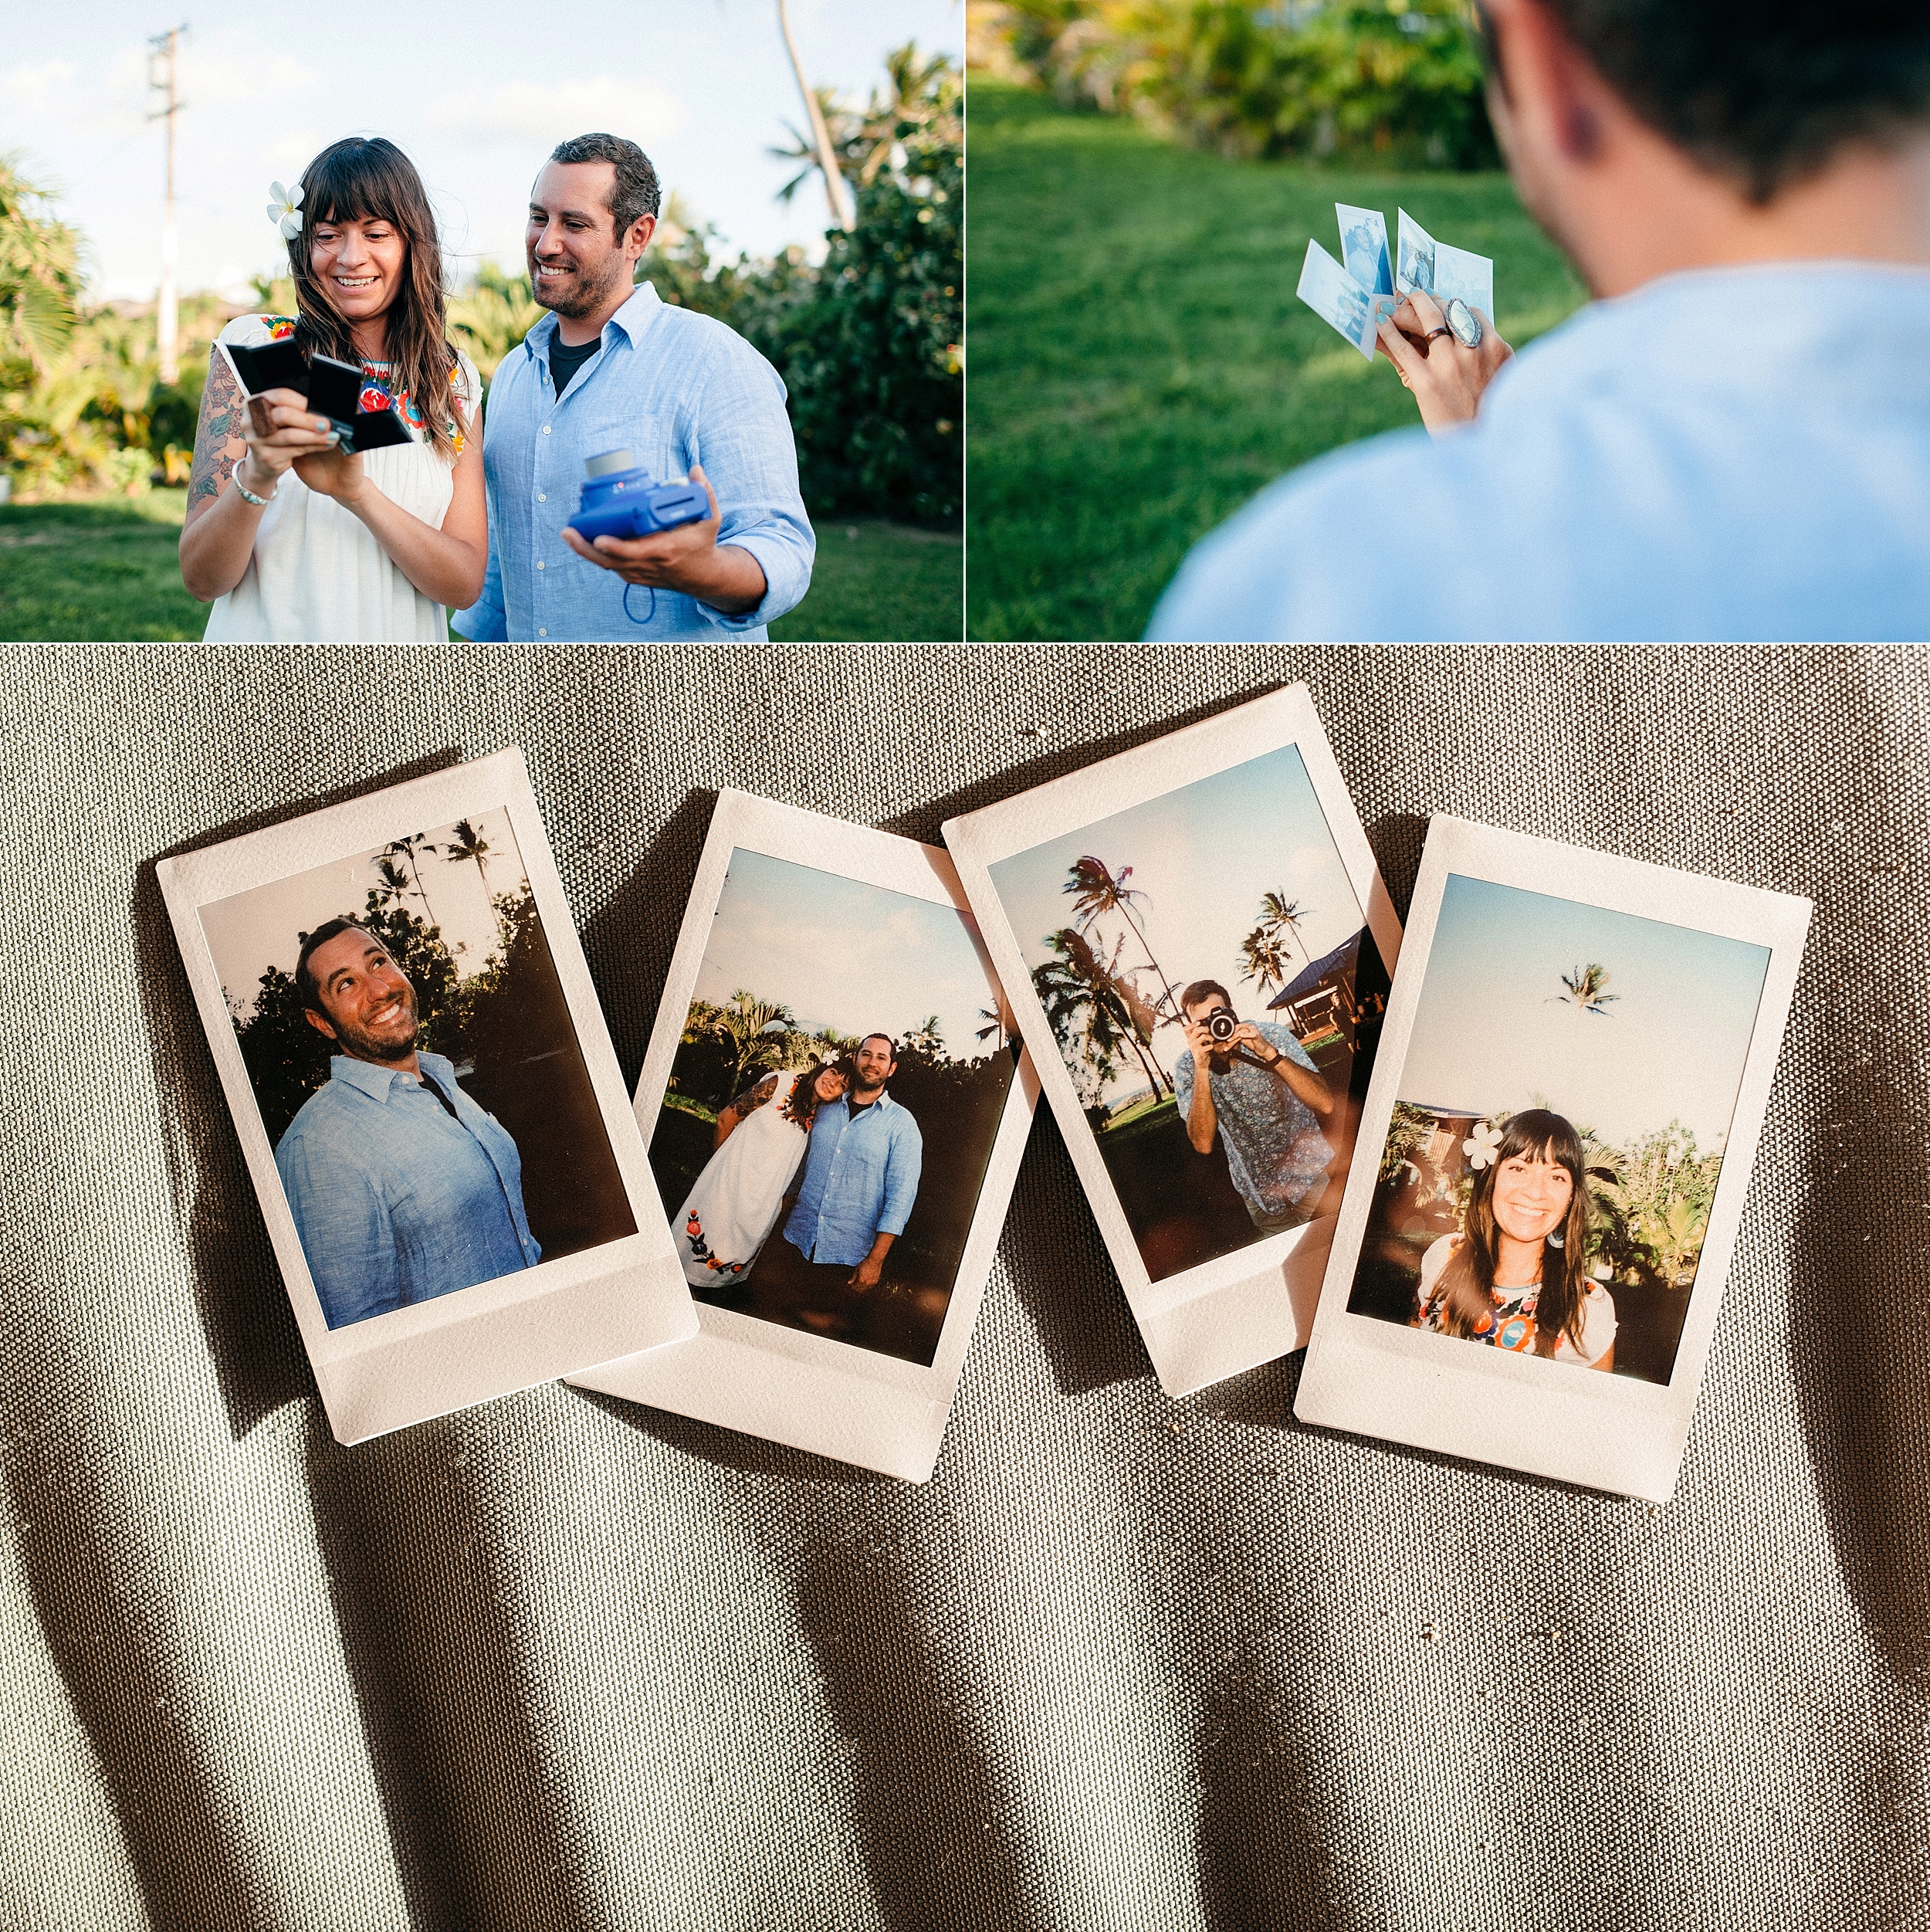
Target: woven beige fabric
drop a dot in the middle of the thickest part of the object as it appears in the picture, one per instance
(560, 1662)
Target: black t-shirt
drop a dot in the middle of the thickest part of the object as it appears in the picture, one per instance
(564, 362)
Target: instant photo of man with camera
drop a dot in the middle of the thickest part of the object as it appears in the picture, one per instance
(1262, 1099)
(594, 419)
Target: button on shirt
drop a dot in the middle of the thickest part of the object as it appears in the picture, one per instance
(1275, 1151)
(861, 1177)
(1725, 453)
(673, 388)
(395, 1202)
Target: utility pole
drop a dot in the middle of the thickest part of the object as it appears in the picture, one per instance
(161, 80)
(837, 190)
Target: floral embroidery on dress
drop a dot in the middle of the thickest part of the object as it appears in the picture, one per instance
(379, 393)
(280, 327)
(700, 1249)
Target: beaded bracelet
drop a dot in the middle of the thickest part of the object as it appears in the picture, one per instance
(260, 503)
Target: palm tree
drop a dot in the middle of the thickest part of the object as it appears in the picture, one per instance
(997, 1027)
(743, 1020)
(393, 883)
(1281, 917)
(1097, 892)
(926, 1039)
(468, 844)
(40, 274)
(404, 849)
(1266, 959)
(897, 131)
(835, 191)
(1118, 1015)
(1585, 991)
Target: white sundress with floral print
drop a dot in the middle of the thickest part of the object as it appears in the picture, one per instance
(317, 574)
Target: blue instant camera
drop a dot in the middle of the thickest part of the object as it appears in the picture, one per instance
(619, 500)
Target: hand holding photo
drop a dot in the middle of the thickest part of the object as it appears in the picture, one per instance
(1193, 933)
(1577, 1054)
(427, 1100)
(1443, 272)
(837, 1106)
(1339, 300)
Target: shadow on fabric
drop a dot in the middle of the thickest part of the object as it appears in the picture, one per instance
(1856, 1329)
(1263, 1859)
(252, 1341)
(438, 1663)
(929, 1807)
(730, 1449)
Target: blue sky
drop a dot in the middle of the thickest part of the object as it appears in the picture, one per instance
(1202, 855)
(840, 953)
(1491, 1032)
(476, 96)
(260, 927)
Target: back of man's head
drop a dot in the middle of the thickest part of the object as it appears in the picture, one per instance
(634, 192)
(1765, 92)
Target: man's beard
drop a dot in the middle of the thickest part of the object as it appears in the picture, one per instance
(580, 297)
(359, 1044)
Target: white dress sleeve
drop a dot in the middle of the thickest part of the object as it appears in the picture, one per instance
(1598, 1326)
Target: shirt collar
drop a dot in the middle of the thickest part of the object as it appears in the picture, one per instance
(633, 319)
(884, 1100)
(378, 1082)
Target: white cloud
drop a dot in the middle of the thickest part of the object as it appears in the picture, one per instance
(38, 83)
(547, 112)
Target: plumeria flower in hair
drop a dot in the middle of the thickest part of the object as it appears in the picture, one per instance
(1482, 1146)
(285, 210)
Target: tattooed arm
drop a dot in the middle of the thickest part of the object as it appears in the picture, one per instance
(217, 536)
(741, 1109)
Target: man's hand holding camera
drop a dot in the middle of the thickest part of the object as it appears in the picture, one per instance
(688, 559)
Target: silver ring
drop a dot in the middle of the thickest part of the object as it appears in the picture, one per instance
(1465, 323)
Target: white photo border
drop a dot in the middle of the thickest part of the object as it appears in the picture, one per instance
(1227, 1314)
(810, 1392)
(1437, 1392)
(498, 1336)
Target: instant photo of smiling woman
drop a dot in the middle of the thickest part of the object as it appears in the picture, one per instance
(294, 538)
(1515, 1276)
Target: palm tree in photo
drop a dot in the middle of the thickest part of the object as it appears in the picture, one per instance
(1117, 1013)
(1281, 918)
(468, 846)
(1265, 959)
(404, 849)
(745, 1022)
(392, 882)
(1098, 893)
(997, 1027)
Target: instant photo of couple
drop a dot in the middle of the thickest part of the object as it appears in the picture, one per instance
(840, 1080)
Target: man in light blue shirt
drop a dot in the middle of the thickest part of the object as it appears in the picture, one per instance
(614, 367)
(860, 1174)
(401, 1188)
(1732, 441)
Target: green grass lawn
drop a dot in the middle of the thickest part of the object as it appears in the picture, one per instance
(1140, 364)
(108, 570)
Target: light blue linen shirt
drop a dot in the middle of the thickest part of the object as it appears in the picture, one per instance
(395, 1202)
(861, 1178)
(1735, 453)
(673, 388)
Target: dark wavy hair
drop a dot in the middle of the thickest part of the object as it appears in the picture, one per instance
(1467, 1282)
(801, 1103)
(363, 180)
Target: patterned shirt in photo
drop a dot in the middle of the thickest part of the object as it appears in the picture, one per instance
(1275, 1151)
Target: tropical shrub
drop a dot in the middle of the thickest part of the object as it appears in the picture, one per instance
(1389, 83)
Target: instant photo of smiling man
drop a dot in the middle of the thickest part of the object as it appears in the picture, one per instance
(417, 1071)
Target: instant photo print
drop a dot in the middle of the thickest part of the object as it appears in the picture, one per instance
(835, 1104)
(1552, 1160)
(1209, 895)
(426, 1096)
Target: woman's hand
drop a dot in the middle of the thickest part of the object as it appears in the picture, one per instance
(335, 472)
(1448, 378)
(279, 427)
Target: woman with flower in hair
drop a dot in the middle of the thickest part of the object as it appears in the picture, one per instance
(292, 538)
(1516, 1277)
(761, 1140)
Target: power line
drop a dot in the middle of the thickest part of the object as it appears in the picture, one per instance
(161, 80)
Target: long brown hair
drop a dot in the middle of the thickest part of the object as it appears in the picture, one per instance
(363, 180)
(801, 1103)
(1468, 1281)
